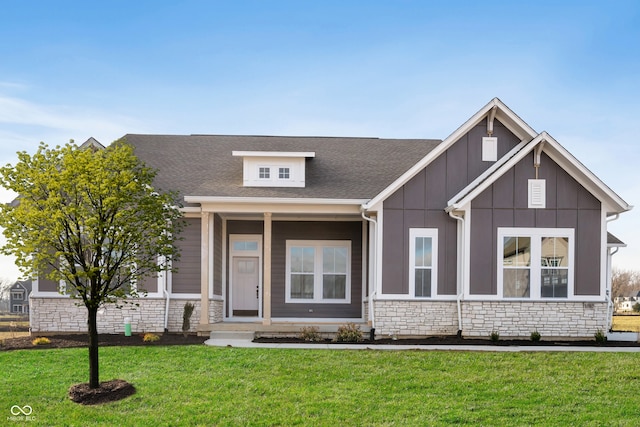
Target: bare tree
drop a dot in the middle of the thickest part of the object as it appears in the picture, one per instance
(625, 282)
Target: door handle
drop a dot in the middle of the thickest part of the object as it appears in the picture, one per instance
(258, 292)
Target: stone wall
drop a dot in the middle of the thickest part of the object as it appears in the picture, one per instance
(511, 319)
(50, 315)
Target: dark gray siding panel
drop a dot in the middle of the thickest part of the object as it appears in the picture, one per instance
(46, 285)
(217, 255)
(393, 271)
(482, 249)
(289, 230)
(569, 205)
(587, 271)
(426, 196)
(187, 279)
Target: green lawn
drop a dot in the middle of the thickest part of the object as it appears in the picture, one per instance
(198, 385)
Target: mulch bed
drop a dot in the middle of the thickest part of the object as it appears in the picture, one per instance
(82, 340)
(108, 391)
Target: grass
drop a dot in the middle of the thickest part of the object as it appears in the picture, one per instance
(629, 323)
(197, 385)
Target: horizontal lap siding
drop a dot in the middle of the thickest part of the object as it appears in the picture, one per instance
(186, 280)
(421, 203)
(289, 230)
(504, 204)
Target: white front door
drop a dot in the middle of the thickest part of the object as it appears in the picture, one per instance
(246, 286)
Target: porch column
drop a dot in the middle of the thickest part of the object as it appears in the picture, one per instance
(204, 268)
(266, 276)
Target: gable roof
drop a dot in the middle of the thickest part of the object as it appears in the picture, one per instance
(343, 168)
(613, 203)
(494, 109)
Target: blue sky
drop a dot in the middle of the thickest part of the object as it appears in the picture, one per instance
(404, 69)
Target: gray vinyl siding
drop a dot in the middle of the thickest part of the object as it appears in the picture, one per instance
(45, 284)
(290, 230)
(421, 203)
(186, 280)
(217, 255)
(504, 204)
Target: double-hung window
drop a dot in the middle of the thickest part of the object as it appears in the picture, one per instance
(535, 263)
(318, 271)
(423, 262)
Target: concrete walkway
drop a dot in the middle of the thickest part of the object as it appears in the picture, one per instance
(240, 343)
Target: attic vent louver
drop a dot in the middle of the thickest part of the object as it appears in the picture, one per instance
(537, 194)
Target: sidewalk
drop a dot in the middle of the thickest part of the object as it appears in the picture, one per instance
(515, 348)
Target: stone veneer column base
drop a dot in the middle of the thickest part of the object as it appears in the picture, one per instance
(511, 319)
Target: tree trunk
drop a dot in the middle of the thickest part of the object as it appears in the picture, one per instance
(94, 372)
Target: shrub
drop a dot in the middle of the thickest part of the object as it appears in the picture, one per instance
(600, 336)
(41, 341)
(186, 317)
(535, 336)
(495, 336)
(636, 307)
(149, 337)
(310, 333)
(349, 333)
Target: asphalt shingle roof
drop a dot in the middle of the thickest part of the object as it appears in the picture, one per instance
(343, 168)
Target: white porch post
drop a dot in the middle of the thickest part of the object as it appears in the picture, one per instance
(266, 277)
(204, 268)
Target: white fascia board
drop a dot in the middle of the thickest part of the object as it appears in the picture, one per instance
(277, 205)
(504, 114)
(585, 177)
(296, 154)
(490, 178)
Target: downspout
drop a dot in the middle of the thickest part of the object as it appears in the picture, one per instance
(460, 272)
(374, 271)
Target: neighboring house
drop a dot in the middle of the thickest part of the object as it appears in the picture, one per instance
(625, 304)
(19, 297)
(496, 228)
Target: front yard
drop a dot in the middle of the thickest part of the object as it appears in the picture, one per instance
(198, 385)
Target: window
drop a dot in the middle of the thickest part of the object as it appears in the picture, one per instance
(245, 245)
(423, 262)
(283, 173)
(17, 309)
(264, 173)
(535, 263)
(318, 271)
(17, 295)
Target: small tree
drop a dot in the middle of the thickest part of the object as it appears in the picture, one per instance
(91, 219)
(636, 307)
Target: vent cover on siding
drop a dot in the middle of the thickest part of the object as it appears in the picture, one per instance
(537, 194)
(489, 149)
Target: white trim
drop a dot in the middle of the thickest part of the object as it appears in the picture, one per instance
(318, 272)
(505, 115)
(174, 296)
(431, 233)
(536, 234)
(304, 154)
(255, 253)
(259, 205)
(272, 200)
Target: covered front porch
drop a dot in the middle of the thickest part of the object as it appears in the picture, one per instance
(301, 263)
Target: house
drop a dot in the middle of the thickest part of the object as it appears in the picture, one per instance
(495, 228)
(19, 297)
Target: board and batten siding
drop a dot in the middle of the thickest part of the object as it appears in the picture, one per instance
(421, 203)
(186, 280)
(505, 204)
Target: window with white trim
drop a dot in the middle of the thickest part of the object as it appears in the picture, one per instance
(535, 263)
(423, 262)
(264, 172)
(17, 295)
(318, 271)
(284, 173)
